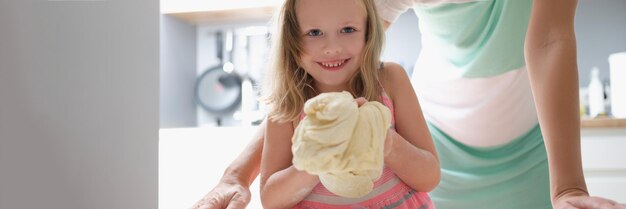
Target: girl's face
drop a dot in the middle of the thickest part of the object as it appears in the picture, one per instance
(333, 36)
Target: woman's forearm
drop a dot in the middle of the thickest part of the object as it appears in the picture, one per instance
(287, 187)
(416, 167)
(550, 52)
(245, 168)
(556, 96)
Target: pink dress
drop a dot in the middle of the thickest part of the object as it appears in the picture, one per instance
(389, 191)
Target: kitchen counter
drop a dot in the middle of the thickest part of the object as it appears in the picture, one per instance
(603, 122)
(192, 160)
(604, 161)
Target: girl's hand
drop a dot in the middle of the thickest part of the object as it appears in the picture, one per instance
(360, 101)
(391, 133)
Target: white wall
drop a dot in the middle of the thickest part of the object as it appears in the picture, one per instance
(600, 31)
(402, 41)
(178, 73)
(78, 104)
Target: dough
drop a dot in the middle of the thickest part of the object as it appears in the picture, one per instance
(341, 142)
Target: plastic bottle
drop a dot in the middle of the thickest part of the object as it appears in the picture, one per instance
(596, 94)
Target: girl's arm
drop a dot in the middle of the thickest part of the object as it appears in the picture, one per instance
(412, 154)
(282, 185)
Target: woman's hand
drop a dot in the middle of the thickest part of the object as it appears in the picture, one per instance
(585, 202)
(226, 195)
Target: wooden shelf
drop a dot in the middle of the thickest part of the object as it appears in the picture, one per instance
(603, 122)
(226, 16)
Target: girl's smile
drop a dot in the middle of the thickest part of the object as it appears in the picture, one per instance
(333, 65)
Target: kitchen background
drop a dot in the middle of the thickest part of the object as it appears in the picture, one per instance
(79, 104)
(190, 48)
(197, 142)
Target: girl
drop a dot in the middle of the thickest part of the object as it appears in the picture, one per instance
(332, 46)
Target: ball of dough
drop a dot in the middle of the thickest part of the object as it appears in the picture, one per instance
(341, 142)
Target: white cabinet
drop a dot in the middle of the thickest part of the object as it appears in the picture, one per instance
(604, 161)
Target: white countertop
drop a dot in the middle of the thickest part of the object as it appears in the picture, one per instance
(192, 160)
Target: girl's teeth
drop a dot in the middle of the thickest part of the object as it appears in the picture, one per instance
(334, 64)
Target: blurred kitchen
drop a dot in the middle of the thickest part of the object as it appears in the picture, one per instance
(211, 57)
(214, 53)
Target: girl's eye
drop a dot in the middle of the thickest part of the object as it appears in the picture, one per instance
(348, 30)
(314, 32)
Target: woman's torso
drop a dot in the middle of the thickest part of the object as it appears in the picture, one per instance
(470, 76)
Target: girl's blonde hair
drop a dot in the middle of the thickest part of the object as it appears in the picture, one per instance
(287, 86)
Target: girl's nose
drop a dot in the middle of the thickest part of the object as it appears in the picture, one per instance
(332, 47)
(332, 50)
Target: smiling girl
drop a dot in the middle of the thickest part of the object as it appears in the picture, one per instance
(332, 46)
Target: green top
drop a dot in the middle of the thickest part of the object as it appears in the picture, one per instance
(476, 37)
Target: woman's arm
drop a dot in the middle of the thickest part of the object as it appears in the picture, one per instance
(390, 10)
(412, 155)
(282, 185)
(233, 188)
(550, 51)
(245, 168)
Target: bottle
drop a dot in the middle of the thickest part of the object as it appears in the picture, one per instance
(607, 96)
(596, 94)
